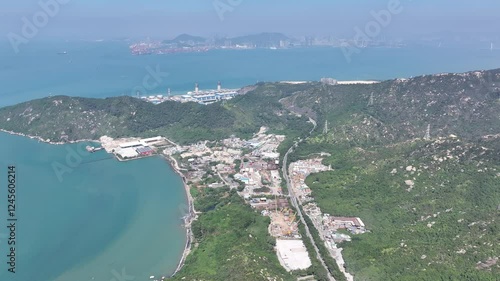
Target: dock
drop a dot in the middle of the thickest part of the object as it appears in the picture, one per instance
(92, 149)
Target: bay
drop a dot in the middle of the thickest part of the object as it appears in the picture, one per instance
(102, 219)
(85, 216)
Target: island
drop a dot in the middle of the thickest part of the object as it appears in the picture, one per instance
(186, 43)
(317, 180)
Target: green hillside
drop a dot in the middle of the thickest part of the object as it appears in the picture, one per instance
(432, 206)
(431, 201)
(63, 118)
(231, 243)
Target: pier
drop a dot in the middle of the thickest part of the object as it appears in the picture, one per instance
(92, 149)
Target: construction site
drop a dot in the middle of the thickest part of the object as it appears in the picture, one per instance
(291, 251)
(250, 166)
(283, 223)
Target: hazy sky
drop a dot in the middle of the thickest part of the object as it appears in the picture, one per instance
(103, 19)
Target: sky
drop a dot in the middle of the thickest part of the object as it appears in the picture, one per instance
(108, 19)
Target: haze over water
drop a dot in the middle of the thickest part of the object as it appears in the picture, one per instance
(103, 69)
(106, 216)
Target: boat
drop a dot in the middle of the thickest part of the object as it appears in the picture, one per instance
(62, 53)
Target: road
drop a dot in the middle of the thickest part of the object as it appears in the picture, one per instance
(295, 202)
(225, 182)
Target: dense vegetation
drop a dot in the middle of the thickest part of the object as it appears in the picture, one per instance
(316, 269)
(438, 228)
(231, 242)
(327, 257)
(63, 118)
(443, 224)
(432, 205)
(467, 105)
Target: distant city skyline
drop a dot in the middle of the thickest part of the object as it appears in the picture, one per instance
(93, 19)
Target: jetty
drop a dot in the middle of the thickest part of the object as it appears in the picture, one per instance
(92, 149)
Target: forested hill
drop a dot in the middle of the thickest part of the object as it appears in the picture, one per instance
(431, 203)
(463, 104)
(63, 118)
(466, 105)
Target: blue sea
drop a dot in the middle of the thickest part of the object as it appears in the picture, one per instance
(83, 216)
(103, 69)
(106, 220)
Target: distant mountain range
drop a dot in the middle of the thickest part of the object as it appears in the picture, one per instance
(261, 40)
(186, 39)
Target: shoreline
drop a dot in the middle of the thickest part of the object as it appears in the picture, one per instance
(189, 218)
(47, 140)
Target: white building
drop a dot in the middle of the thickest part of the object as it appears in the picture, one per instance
(127, 153)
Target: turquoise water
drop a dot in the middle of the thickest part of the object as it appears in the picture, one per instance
(97, 220)
(115, 221)
(102, 69)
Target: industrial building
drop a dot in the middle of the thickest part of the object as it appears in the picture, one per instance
(130, 144)
(138, 148)
(213, 97)
(206, 97)
(155, 139)
(199, 96)
(127, 153)
(348, 222)
(144, 150)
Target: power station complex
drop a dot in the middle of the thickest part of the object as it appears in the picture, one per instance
(199, 96)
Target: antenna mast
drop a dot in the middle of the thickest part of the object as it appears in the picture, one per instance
(370, 102)
(428, 133)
